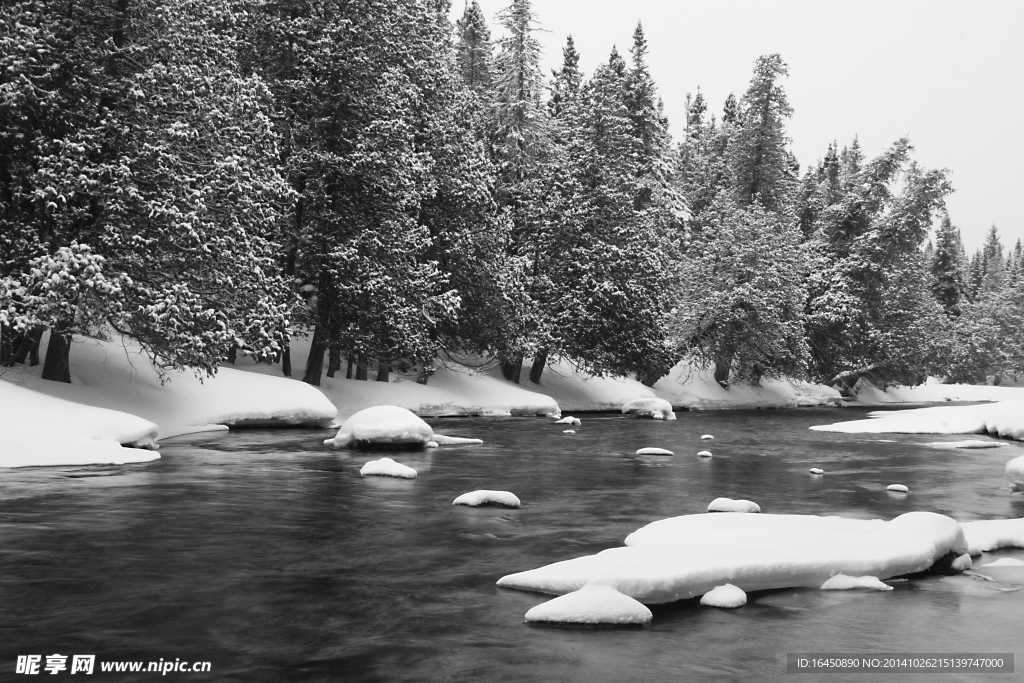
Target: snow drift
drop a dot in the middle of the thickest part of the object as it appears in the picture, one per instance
(1004, 419)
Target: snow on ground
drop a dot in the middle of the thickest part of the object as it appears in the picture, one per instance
(39, 430)
(842, 582)
(727, 597)
(120, 377)
(933, 392)
(969, 444)
(386, 467)
(688, 387)
(592, 605)
(1015, 473)
(654, 451)
(683, 557)
(657, 408)
(382, 426)
(483, 497)
(730, 505)
(1005, 419)
(991, 534)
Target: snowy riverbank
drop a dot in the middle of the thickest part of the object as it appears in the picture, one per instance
(1005, 419)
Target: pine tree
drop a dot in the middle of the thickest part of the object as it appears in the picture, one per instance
(474, 49)
(566, 82)
(948, 285)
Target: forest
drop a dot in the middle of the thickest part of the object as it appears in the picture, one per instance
(212, 178)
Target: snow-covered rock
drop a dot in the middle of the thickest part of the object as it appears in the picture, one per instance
(817, 470)
(568, 431)
(594, 604)
(654, 451)
(842, 582)
(991, 534)
(484, 497)
(1005, 562)
(704, 454)
(969, 444)
(707, 437)
(683, 557)
(386, 467)
(568, 420)
(898, 488)
(1015, 473)
(1005, 419)
(727, 596)
(383, 426)
(730, 505)
(657, 408)
(432, 444)
(442, 440)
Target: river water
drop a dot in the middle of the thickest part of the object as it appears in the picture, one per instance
(266, 554)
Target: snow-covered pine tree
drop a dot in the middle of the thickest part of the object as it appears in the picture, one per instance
(474, 50)
(948, 286)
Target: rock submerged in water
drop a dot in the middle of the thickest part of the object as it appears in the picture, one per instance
(727, 596)
(730, 505)
(484, 497)
(704, 454)
(383, 427)
(817, 470)
(592, 605)
(386, 467)
(654, 408)
(897, 488)
(707, 437)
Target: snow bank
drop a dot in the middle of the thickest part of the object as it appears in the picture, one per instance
(654, 451)
(683, 557)
(969, 444)
(118, 376)
(39, 430)
(689, 387)
(1015, 473)
(933, 392)
(727, 597)
(992, 534)
(1005, 562)
(383, 426)
(592, 605)
(386, 467)
(842, 582)
(730, 505)
(657, 408)
(483, 497)
(1004, 419)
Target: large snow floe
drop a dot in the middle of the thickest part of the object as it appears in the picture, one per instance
(683, 557)
(38, 430)
(592, 605)
(383, 426)
(1005, 419)
(1015, 473)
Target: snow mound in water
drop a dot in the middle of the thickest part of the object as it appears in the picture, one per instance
(383, 426)
(657, 408)
(683, 557)
(568, 420)
(842, 582)
(970, 443)
(707, 437)
(654, 451)
(1005, 419)
(817, 470)
(898, 488)
(727, 596)
(386, 467)
(482, 497)
(568, 431)
(1015, 473)
(730, 505)
(992, 534)
(594, 604)
(1004, 562)
(58, 451)
(704, 454)
(442, 440)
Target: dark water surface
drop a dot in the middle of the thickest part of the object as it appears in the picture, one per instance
(268, 555)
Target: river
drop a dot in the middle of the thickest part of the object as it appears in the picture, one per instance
(266, 554)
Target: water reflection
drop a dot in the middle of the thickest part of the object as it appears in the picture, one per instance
(267, 554)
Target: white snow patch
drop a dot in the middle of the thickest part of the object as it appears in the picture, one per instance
(594, 604)
(657, 408)
(969, 444)
(727, 596)
(568, 431)
(817, 470)
(1004, 419)
(842, 582)
(442, 440)
(991, 534)
(704, 454)
(383, 426)
(654, 451)
(962, 563)
(568, 420)
(483, 497)
(50, 451)
(730, 505)
(1005, 562)
(1015, 473)
(432, 444)
(386, 467)
(934, 392)
(899, 488)
(682, 557)
(707, 437)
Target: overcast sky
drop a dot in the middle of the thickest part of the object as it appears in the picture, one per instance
(947, 74)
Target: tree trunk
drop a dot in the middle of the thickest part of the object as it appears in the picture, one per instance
(847, 380)
(351, 366)
(512, 368)
(57, 366)
(722, 367)
(334, 360)
(422, 376)
(286, 359)
(232, 354)
(361, 373)
(7, 346)
(383, 371)
(315, 362)
(540, 360)
(28, 349)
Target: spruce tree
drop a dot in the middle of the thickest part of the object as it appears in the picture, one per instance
(946, 267)
(474, 49)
